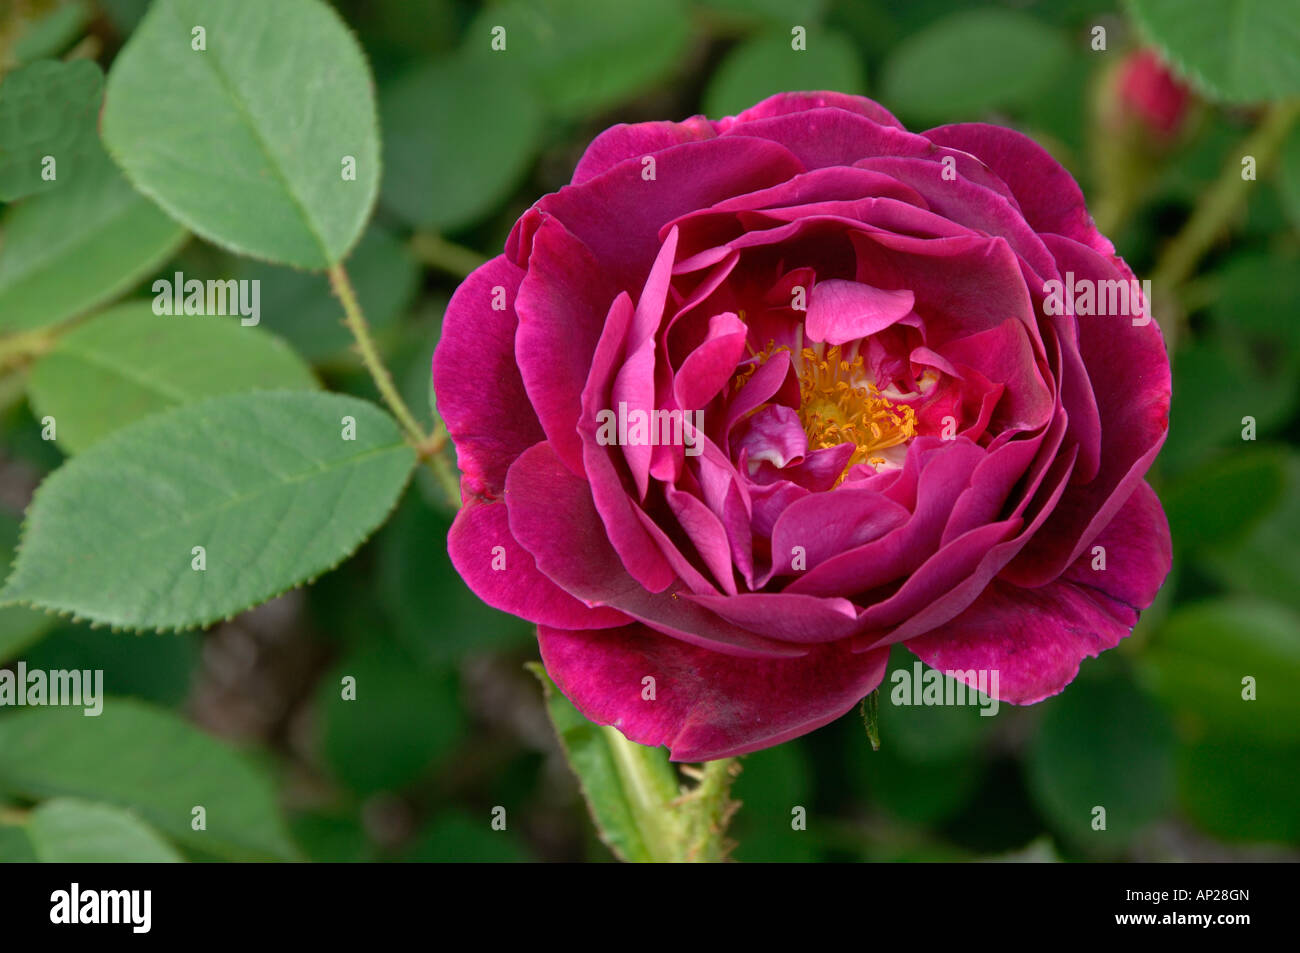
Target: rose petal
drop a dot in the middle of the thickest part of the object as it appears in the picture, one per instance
(1047, 194)
(1130, 370)
(562, 304)
(627, 141)
(841, 311)
(784, 103)
(481, 395)
(617, 214)
(1036, 638)
(479, 529)
(552, 516)
(705, 706)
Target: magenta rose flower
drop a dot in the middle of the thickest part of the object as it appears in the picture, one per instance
(752, 400)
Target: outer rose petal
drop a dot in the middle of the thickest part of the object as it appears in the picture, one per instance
(1048, 195)
(1139, 552)
(562, 304)
(1129, 370)
(783, 103)
(706, 705)
(518, 588)
(617, 214)
(480, 393)
(624, 141)
(1035, 638)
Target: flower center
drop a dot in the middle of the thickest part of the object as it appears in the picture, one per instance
(837, 406)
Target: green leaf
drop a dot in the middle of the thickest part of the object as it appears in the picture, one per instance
(785, 12)
(15, 846)
(969, 63)
(300, 307)
(930, 732)
(22, 440)
(128, 363)
(70, 830)
(1198, 659)
(125, 14)
(773, 782)
(49, 109)
(1058, 117)
(19, 626)
(1218, 381)
(265, 482)
(153, 667)
(922, 792)
(1220, 502)
(327, 838)
(930, 760)
(1289, 177)
(1240, 791)
(148, 761)
(1240, 51)
(1102, 744)
(245, 141)
(626, 785)
(456, 838)
(401, 719)
(435, 615)
(766, 64)
(586, 56)
(398, 32)
(459, 134)
(1266, 563)
(70, 250)
(1254, 295)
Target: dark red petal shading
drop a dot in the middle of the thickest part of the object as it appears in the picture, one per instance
(706, 705)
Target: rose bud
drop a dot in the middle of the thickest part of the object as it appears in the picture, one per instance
(1151, 95)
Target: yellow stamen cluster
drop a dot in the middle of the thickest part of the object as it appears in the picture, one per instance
(836, 408)
(760, 358)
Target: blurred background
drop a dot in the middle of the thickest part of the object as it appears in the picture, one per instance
(1155, 731)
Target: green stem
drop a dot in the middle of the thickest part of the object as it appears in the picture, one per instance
(436, 252)
(651, 787)
(442, 469)
(676, 826)
(18, 349)
(871, 718)
(1220, 203)
(356, 322)
(709, 809)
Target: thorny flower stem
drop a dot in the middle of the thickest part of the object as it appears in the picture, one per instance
(676, 824)
(425, 445)
(709, 810)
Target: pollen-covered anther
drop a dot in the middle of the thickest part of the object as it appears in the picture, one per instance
(837, 405)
